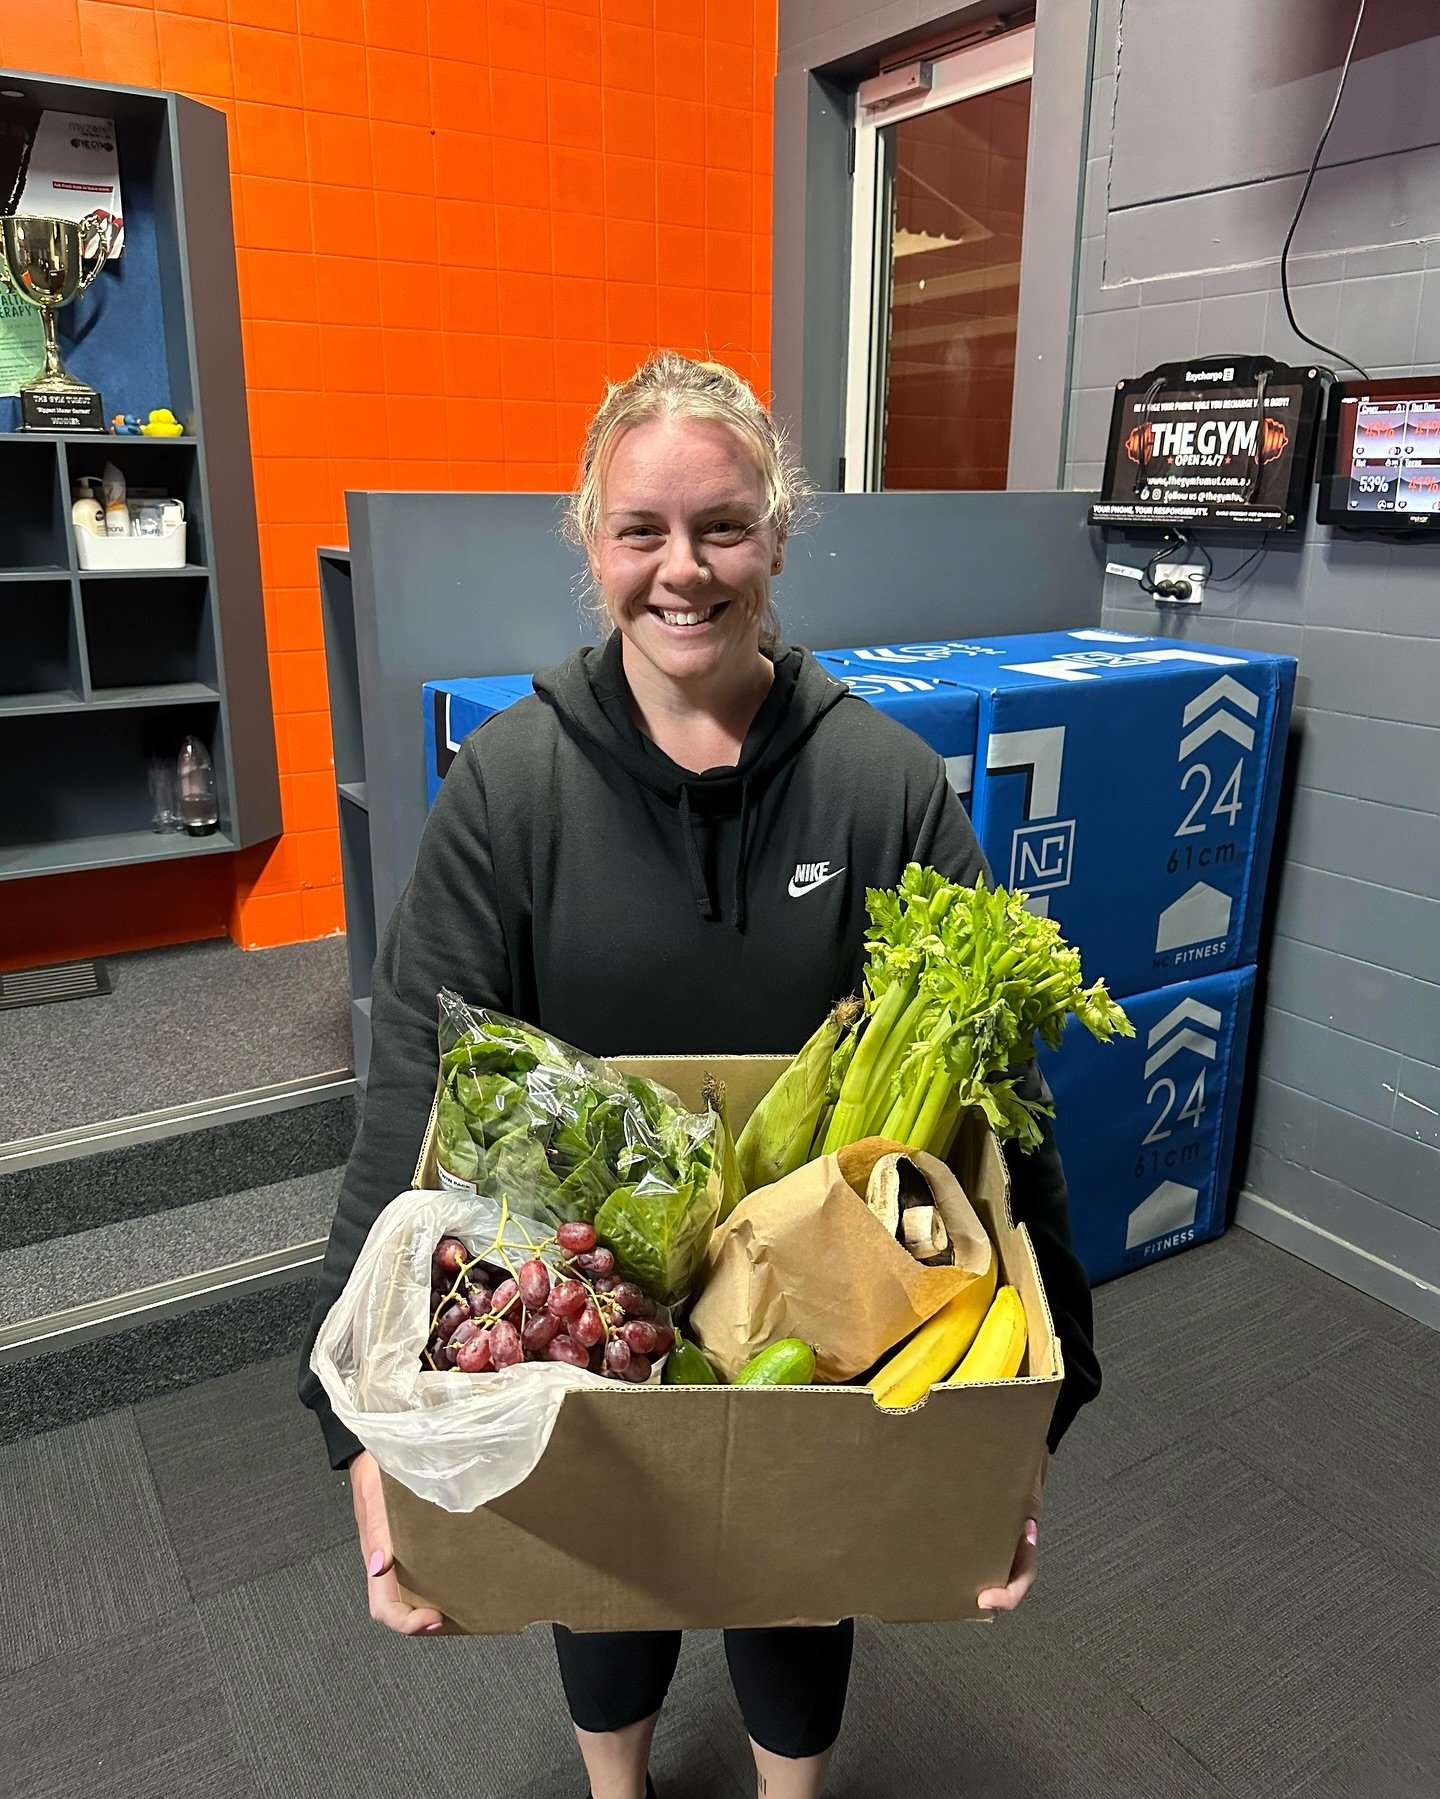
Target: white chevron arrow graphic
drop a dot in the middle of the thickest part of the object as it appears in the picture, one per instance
(1203, 1046)
(1226, 688)
(1187, 1010)
(1219, 724)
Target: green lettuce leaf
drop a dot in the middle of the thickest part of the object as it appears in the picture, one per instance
(454, 1147)
(516, 1169)
(659, 1234)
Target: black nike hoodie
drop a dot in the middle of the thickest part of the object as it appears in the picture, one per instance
(572, 875)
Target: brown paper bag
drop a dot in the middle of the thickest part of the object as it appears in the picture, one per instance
(805, 1257)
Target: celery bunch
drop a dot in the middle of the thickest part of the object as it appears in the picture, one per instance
(958, 984)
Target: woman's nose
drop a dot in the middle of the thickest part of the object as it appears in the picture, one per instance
(683, 569)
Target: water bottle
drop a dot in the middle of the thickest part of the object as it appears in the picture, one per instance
(195, 780)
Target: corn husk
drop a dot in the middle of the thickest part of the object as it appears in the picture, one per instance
(778, 1134)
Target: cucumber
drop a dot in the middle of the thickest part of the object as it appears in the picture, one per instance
(686, 1367)
(788, 1363)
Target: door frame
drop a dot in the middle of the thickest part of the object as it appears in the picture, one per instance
(824, 53)
(924, 87)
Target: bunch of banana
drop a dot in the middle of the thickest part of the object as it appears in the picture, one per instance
(980, 1330)
(999, 1346)
(936, 1348)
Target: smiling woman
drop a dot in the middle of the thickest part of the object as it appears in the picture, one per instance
(684, 502)
(666, 849)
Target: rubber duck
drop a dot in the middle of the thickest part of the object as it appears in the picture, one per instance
(162, 423)
(123, 424)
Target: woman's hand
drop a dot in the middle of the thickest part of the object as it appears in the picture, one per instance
(386, 1605)
(1023, 1568)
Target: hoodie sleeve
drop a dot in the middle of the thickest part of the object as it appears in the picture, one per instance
(1039, 1198)
(445, 932)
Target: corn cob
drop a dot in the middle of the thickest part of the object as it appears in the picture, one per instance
(935, 1349)
(999, 1346)
(777, 1136)
(732, 1182)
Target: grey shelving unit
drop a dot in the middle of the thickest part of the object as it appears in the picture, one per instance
(100, 668)
(352, 791)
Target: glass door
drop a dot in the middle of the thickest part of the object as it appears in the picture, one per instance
(935, 271)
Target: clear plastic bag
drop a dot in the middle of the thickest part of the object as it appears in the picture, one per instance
(459, 1440)
(561, 1135)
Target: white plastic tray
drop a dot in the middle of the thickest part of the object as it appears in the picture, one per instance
(167, 551)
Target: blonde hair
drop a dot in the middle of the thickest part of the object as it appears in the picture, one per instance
(671, 386)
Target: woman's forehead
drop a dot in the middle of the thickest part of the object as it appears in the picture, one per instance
(686, 458)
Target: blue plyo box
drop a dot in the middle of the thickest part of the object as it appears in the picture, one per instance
(1146, 1124)
(1128, 785)
(453, 709)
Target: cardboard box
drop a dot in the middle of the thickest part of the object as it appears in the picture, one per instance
(1128, 784)
(1146, 1124)
(661, 1507)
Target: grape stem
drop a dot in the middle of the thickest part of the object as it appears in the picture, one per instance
(498, 1251)
(497, 1248)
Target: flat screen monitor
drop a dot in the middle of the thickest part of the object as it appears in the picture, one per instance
(1381, 465)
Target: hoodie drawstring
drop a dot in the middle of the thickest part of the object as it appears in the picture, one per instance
(742, 855)
(705, 902)
(595, 709)
(694, 862)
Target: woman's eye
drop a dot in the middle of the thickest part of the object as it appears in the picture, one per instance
(638, 534)
(730, 529)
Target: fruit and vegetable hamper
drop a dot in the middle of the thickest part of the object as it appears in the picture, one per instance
(622, 1370)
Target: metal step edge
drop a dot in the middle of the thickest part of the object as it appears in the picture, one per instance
(173, 1121)
(166, 1299)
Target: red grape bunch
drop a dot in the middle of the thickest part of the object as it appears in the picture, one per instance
(484, 1317)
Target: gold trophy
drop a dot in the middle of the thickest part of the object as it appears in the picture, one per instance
(47, 262)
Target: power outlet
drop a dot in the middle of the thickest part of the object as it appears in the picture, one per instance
(1193, 572)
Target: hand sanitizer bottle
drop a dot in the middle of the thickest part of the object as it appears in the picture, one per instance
(195, 780)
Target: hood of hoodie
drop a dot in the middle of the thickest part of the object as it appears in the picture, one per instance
(590, 695)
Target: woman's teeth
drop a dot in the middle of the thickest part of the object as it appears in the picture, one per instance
(689, 618)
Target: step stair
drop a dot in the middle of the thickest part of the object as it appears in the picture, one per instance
(144, 1254)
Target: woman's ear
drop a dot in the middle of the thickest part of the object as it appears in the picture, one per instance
(778, 561)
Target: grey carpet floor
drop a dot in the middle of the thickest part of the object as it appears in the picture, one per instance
(182, 1024)
(1239, 1598)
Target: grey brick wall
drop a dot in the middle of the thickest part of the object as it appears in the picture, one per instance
(1196, 153)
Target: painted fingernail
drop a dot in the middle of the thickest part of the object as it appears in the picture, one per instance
(430, 1629)
(376, 1564)
(1032, 1532)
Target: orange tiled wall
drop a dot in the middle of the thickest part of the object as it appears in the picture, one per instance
(455, 219)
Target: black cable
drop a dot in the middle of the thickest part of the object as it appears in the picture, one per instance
(1314, 342)
(1257, 458)
(1142, 457)
(1147, 580)
(1240, 567)
(1185, 544)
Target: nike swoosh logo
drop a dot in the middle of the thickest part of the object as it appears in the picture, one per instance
(796, 892)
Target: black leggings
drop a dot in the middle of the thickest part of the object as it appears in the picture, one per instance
(790, 1681)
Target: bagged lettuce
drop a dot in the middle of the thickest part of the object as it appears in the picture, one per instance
(560, 1135)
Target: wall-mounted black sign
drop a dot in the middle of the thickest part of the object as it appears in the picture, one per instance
(1220, 441)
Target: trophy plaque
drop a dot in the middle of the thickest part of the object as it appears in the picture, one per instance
(48, 262)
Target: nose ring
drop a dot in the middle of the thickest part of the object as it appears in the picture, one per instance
(703, 573)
